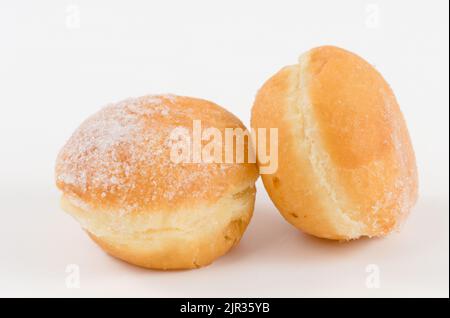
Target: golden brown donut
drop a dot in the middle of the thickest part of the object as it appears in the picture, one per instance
(346, 165)
(118, 181)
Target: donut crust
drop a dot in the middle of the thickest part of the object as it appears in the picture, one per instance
(346, 164)
(118, 180)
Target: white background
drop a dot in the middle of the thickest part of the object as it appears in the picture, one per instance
(60, 61)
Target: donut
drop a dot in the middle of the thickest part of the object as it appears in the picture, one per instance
(346, 166)
(118, 179)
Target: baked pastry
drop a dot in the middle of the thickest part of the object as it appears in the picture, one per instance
(346, 166)
(119, 181)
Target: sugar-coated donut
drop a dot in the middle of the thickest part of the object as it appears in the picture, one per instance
(346, 166)
(118, 180)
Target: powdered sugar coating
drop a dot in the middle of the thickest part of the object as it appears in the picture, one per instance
(119, 158)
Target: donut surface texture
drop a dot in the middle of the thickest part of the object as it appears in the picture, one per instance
(346, 166)
(118, 180)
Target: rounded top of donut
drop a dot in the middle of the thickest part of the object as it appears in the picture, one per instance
(347, 166)
(354, 106)
(365, 135)
(119, 159)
